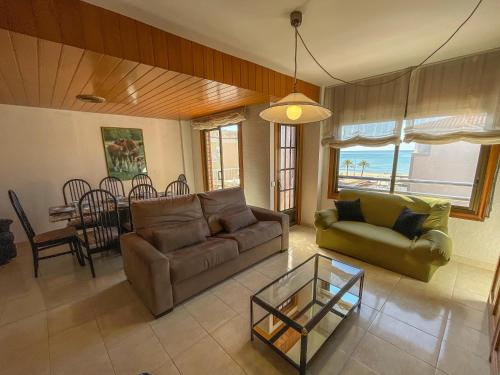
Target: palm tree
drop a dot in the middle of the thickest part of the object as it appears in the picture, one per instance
(347, 163)
(363, 164)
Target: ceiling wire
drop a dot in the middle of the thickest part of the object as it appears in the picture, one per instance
(409, 69)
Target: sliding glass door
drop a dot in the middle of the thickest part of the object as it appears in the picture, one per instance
(223, 159)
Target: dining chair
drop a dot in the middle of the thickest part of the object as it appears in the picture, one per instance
(47, 240)
(176, 188)
(114, 185)
(139, 192)
(74, 189)
(104, 233)
(141, 179)
(182, 177)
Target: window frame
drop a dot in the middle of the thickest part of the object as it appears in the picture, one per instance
(482, 193)
(204, 158)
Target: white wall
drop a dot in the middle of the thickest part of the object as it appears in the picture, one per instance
(42, 148)
(310, 176)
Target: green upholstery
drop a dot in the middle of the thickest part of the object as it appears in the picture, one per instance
(375, 242)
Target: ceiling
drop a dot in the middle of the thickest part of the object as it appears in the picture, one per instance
(41, 73)
(352, 39)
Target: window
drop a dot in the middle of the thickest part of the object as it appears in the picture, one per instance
(222, 157)
(460, 172)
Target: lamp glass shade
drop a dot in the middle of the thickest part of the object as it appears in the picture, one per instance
(295, 108)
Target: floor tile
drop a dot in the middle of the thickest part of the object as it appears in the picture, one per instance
(354, 367)
(210, 311)
(22, 307)
(407, 338)
(474, 341)
(386, 358)
(206, 357)
(70, 315)
(456, 360)
(79, 350)
(138, 353)
(178, 331)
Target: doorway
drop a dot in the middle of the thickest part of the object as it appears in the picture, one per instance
(287, 170)
(223, 157)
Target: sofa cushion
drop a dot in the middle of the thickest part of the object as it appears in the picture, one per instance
(254, 235)
(171, 238)
(409, 223)
(193, 260)
(152, 214)
(372, 233)
(233, 221)
(383, 209)
(349, 210)
(218, 203)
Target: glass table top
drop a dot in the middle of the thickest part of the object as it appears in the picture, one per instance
(306, 290)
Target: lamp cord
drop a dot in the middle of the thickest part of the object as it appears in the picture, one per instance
(295, 61)
(408, 71)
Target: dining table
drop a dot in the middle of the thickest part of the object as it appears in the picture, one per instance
(71, 211)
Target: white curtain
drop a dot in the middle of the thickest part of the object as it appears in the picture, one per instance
(369, 115)
(219, 119)
(456, 100)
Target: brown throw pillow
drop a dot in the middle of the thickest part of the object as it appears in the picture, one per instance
(238, 220)
(171, 238)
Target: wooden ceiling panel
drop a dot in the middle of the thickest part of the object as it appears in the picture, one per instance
(51, 51)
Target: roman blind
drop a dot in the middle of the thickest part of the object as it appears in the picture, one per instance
(219, 119)
(455, 100)
(370, 115)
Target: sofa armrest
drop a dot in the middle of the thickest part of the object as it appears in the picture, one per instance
(148, 270)
(263, 214)
(440, 246)
(325, 218)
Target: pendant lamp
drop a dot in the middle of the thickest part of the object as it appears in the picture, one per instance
(295, 108)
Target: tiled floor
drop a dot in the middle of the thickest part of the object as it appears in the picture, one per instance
(65, 322)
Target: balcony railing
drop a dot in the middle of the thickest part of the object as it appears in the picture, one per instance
(403, 181)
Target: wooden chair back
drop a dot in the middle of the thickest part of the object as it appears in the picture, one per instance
(14, 200)
(141, 179)
(176, 188)
(114, 185)
(74, 189)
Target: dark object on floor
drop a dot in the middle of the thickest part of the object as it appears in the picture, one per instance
(7, 247)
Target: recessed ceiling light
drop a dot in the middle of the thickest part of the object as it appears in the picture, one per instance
(90, 98)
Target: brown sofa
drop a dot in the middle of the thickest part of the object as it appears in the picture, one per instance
(165, 278)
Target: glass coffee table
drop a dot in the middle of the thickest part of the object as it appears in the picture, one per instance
(303, 307)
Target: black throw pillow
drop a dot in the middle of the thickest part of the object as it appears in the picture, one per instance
(349, 210)
(410, 223)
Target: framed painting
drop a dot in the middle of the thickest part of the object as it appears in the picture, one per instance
(124, 152)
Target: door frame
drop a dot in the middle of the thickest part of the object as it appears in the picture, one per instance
(204, 160)
(298, 165)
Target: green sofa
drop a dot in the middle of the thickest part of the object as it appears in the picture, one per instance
(375, 242)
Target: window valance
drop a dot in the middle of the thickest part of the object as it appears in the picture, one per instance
(456, 100)
(219, 119)
(371, 114)
(450, 101)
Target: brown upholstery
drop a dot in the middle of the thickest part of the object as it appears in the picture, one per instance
(218, 203)
(55, 235)
(164, 280)
(238, 220)
(267, 215)
(148, 215)
(254, 235)
(171, 238)
(193, 260)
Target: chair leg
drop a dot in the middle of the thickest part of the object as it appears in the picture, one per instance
(35, 261)
(79, 253)
(89, 257)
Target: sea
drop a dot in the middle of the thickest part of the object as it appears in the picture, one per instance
(379, 161)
